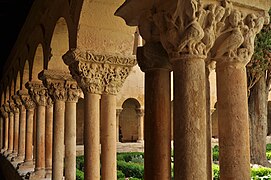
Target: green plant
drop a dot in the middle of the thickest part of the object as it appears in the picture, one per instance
(131, 169)
(120, 174)
(215, 153)
(268, 147)
(261, 173)
(215, 172)
(127, 157)
(80, 163)
(79, 175)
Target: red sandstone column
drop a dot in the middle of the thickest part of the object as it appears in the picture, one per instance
(233, 123)
(39, 94)
(70, 130)
(157, 124)
(108, 137)
(1, 132)
(140, 130)
(49, 138)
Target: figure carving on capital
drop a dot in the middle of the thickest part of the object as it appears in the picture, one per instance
(73, 91)
(37, 92)
(56, 89)
(13, 107)
(3, 112)
(17, 100)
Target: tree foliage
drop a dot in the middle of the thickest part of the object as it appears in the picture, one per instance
(260, 64)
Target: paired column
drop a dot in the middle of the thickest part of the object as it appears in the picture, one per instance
(153, 60)
(11, 129)
(39, 94)
(16, 128)
(6, 128)
(99, 74)
(30, 109)
(140, 130)
(22, 127)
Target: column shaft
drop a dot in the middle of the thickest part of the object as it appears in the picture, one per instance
(108, 137)
(189, 119)
(70, 141)
(140, 129)
(16, 133)
(11, 132)
(208, 128)
(6, 133)
(58, 139)
(92, 136)
(49, 139)
(157, 125)
(29, 136)
(1, 133)
(233, 124)
(40, 138)
(22, 132)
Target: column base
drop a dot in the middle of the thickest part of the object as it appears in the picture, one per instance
(37, 174)
(11, 156)
(48, 173)
(7, 153)
(18, 159)
(3, 151)
(140, 141)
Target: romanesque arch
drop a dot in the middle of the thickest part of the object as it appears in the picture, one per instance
(129, 122)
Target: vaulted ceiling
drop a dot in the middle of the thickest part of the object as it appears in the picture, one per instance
(13, 14)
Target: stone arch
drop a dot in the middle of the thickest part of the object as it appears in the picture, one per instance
(38, 63)
(129, 120)
(59, 46)
(2, 98)
(109, 34)
(17, 82)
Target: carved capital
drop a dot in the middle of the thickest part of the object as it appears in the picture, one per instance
(3, 112)
(73, 91)
(152, 56)
(98, 73)
(17, 100)
(13, 107)
(38, 92)
(26, 99)
(55, 83)
(235, 44)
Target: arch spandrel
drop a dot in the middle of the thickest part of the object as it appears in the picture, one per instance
(102, 32)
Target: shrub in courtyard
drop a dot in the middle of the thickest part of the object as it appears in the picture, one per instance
(215, 153)
(80, 163)
(260, 173)
(127, 157)
(131, 169)
(79, 175)
(120, 174)
(215, 172)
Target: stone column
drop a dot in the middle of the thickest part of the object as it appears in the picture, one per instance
(6, 124)
(70, 129)
(108, 137)
(30, 108)
(1, 132)
(16, 128)
(11, 131)
(22, 127)
(98, 74)
(153, 60)
(49, 137)
(140, 130)
(39, 94)
(118, 111)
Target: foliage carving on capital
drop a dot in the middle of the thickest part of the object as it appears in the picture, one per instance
(38, 92)
(56, 89)
(97, 73)
(17, 100)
